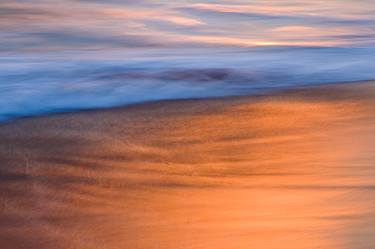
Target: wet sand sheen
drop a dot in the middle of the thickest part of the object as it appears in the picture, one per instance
(290, 170)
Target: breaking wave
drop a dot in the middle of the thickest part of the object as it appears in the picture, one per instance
(58, 82)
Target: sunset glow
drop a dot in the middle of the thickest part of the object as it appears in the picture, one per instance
(120, 24)
(187, 124)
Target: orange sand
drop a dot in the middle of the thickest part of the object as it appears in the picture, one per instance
(284, 171)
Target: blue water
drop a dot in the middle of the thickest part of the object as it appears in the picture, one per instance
(33, 84)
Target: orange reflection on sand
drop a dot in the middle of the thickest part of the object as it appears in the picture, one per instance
(293, 170)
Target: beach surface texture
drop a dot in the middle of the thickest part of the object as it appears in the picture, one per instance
(293, 169)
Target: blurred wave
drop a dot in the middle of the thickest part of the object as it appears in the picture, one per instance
(64, 81)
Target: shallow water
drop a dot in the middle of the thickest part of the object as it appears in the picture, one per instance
(294, 170)
(32, 83)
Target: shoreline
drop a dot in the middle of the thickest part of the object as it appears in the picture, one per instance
(270, 92)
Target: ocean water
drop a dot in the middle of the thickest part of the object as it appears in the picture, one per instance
(60, 81)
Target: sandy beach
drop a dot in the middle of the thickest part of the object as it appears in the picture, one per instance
(294, 169)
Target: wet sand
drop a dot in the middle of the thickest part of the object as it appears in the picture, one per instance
(289, 170)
